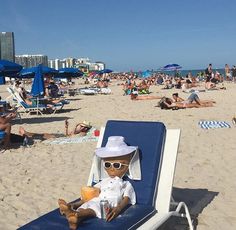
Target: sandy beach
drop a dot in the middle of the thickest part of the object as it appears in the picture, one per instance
(32, 179)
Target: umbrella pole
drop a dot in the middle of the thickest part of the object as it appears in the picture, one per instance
(37, 106)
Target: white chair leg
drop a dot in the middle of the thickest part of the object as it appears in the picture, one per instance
(186, 215)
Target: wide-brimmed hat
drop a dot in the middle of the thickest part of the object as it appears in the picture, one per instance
(85, 124)
(115, 147)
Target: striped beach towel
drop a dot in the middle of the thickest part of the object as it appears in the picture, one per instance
(213, 124)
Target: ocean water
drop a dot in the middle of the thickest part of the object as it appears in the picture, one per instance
(183, 73)
(196, 71)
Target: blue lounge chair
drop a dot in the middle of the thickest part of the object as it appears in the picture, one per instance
(152, 208)
(39, 108)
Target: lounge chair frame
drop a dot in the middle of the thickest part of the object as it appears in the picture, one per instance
(39, 109)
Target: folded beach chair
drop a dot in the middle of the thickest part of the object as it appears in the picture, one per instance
(158, 150)
(105, 91)
(88, 91)
(38, 108)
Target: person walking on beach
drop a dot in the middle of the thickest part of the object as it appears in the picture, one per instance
(234, 74)
(208, 72)
(227, 72)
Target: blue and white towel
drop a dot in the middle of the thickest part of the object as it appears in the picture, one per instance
(75, 139)
(213, 124)
(70, 140)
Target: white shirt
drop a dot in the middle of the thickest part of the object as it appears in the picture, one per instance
(113, 190)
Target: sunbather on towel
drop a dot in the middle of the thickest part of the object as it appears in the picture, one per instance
(81, 129)
(117, 157)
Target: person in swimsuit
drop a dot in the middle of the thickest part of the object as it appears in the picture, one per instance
(192, 101)
(81, 129)
(5, 125)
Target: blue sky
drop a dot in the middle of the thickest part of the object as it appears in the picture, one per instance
(125, 34)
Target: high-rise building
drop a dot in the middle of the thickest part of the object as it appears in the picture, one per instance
(7, 46)
(27, 60)
(84, 64)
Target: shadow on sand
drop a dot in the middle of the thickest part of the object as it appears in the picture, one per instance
(196, 200)
(39, 120)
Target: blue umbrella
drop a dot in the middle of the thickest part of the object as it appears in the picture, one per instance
(38, 83)
(8, 68)
(69, 72)
(146, 74)
(30, 72)
(105, 71)
(171, 67)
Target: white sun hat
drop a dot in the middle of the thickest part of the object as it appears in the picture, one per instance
(115, 147)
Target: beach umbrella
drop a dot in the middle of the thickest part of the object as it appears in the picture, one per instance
(8, 68)
(31, 72)
(69, 72)
(171, 67)
(105, 71)
(146, 74)
(38, 87)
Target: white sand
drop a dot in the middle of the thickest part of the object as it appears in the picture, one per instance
(32, 179)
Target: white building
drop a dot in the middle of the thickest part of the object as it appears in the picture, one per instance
(28, 60)
(84, 64)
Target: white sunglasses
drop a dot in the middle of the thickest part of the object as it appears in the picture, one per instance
(115, 165)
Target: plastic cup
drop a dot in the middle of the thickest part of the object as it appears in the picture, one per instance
(96, 133)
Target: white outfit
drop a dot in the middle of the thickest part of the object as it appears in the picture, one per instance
(113, 190)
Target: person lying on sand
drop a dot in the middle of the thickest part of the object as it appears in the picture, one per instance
(24, 136)
(193, 101)
(192, 98)
(212, 86)
(81, 129)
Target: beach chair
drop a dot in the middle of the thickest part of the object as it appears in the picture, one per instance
(88, 91)
(158, 150)
(38, 108)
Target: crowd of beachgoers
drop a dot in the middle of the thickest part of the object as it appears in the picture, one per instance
(132, 84)
(64, 141)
